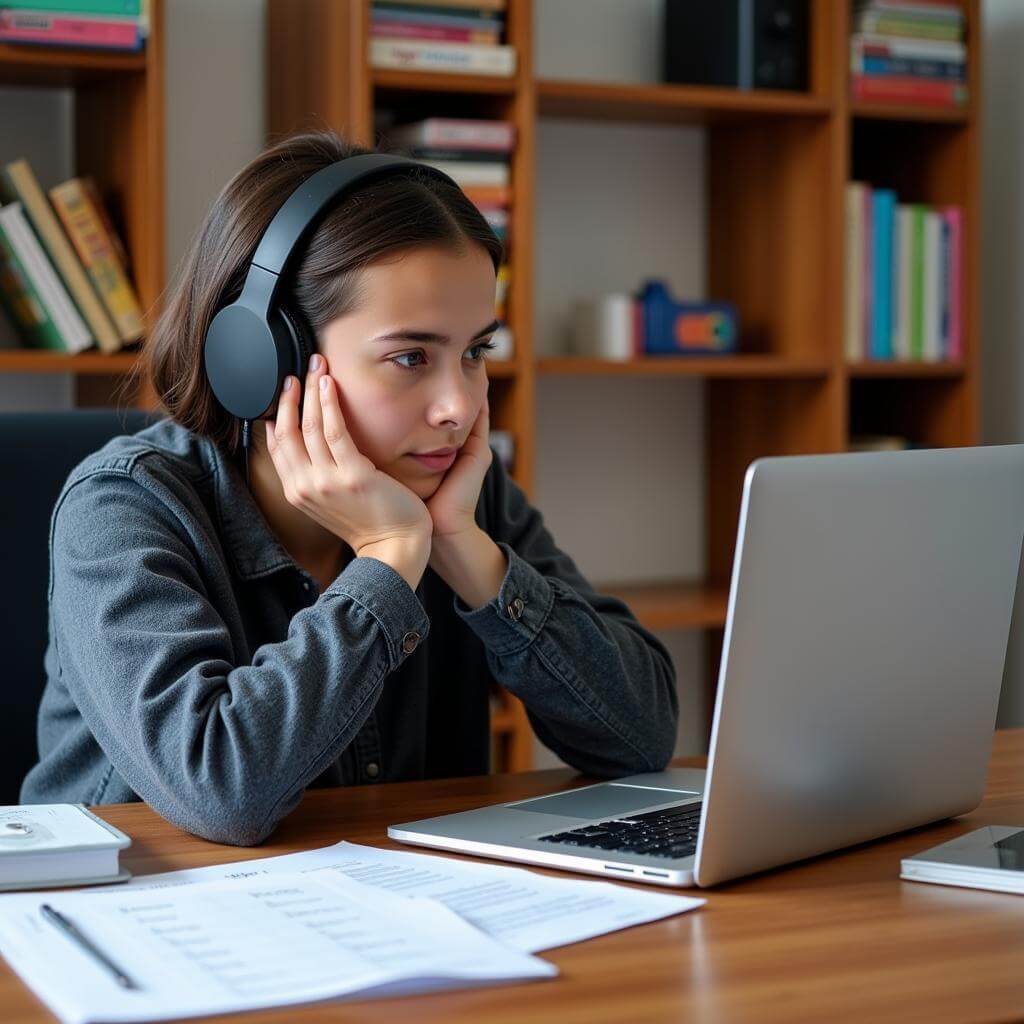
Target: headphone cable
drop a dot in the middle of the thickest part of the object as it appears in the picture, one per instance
(246, 440)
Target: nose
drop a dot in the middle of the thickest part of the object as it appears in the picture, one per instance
(455, 402)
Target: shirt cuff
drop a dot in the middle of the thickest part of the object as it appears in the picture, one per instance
(390, 600)
(511, 621)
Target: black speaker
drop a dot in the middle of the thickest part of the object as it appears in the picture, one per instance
(748, 44)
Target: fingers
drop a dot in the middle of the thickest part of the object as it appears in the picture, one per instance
(288, 444)
(312, 420)
(335, 433)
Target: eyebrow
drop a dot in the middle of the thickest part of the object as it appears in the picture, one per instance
(428, 337)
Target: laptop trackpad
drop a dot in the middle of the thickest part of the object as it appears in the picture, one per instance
(603, 801)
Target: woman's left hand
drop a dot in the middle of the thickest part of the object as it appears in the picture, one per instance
(453, 505)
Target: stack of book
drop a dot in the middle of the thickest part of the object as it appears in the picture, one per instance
(64, 281)
(441, 35)
(903, 278)
(86, 24)
(477, 155)
(909, 51)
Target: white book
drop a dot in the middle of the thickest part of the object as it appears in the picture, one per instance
(854, 312)
(43, 845)
(905, 46)
(901, 348)
(456, 133)
(931, 332)
(73, 329)
(467, 173)
(465, 58)
(987, 858)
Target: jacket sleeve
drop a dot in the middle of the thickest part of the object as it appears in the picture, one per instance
(219, 748)
(599, 689)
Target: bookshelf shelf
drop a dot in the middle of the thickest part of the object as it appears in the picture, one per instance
(673, 604)
(669, 103)
(394, 80)
(904, 112)
(63, 67)
(738, 366)
(44, 361)
(908, 371)
(776, 168)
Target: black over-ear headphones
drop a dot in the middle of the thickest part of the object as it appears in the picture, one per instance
(258, 340)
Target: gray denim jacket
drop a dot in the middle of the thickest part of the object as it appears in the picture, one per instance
(194, 665)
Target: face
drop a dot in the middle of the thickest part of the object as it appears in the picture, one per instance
(403, 392)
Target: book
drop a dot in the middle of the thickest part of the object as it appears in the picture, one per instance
(908, 89)
(72, 330)
(455, 133)
(901, 348)
(20, 184)
(23, 304)
(451, 57)
(954, 220)
(479, 156)
(854, 312)
(473, 172)
(916, 281)
(868, 276)
(932, 288)
(904, 25)
(125, 8)
(991, 857)
(89, 235)
(43, 845)
(434, 33)
(883, 215)
(897, 46)
(18, 25)
(475, 21)
(917, 67)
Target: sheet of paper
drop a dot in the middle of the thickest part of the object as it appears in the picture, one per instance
(234, 944)
(524, 910)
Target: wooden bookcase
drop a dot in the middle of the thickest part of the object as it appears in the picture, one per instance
(777, 166)
(118, 116)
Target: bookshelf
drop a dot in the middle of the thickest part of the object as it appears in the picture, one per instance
(777, 166)
(118, 115)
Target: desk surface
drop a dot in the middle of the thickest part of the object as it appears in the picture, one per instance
(838, 938)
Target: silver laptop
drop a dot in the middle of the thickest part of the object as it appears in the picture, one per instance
(866, 633)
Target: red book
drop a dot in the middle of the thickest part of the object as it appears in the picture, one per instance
(58, 29)
(907, 89)
(435, 33)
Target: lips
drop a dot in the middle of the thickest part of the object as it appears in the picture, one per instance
(437, 463)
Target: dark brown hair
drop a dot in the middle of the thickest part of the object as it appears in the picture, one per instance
(374, 221)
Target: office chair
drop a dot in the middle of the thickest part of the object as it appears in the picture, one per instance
(37, 452)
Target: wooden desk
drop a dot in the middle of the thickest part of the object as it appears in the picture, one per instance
(839, 938)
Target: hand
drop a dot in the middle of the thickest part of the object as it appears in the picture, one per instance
(325, 475)
(452, 507)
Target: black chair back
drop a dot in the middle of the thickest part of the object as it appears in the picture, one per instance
(37, 452)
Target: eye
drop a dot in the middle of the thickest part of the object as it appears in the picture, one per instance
(480, 346)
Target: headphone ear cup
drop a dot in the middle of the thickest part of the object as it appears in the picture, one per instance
(303, 340)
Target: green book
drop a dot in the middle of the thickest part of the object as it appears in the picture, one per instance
(121, 8)
(917, 282)
(22, 302)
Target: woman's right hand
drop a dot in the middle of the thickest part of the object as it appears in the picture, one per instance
(325, 475)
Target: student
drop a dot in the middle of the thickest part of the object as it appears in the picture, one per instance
(217, 647)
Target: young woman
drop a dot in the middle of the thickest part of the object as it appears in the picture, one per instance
(217, 647)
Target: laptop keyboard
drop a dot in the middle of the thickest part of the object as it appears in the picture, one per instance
(671, 832)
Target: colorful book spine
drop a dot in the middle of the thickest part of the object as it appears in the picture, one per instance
(883, 214)
(897, 67)
(475, 21)
(20, 183)
(931, 299)
(914, 29)
(97, 252)
(917, 49)
(118, 8)
(453, 57)
(901, 348)
(73, 331)
(456, 133)
(917, 282)
(854, 310)
(20, 26)
(23, 303)
(954, 220)
(433, 33)
(490, 6)
(467, 173)
(907, 89)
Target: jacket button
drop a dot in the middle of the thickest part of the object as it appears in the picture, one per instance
(409, 642)
(373, 769)
(515, 609)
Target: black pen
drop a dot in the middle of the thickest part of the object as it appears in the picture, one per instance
(58, 919)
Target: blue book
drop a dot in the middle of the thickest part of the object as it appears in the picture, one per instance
(884, 215)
